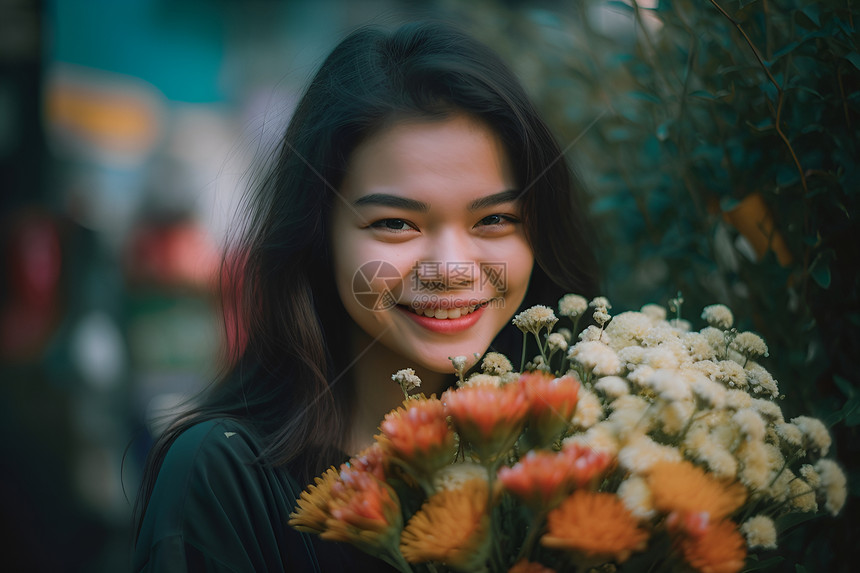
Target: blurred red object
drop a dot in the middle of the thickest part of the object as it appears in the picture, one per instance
(32, 267)
(169, 255)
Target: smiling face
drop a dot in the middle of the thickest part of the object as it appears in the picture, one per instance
(428, 218)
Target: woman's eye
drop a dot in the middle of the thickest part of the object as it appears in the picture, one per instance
(391, 225)
(493, 220)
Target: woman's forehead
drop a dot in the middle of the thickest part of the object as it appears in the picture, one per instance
(457, 156)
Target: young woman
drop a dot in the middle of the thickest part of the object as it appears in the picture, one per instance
(416, 203)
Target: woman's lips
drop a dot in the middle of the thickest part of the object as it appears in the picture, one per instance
(445, 325)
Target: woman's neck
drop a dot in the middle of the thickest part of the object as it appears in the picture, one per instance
(375, 392)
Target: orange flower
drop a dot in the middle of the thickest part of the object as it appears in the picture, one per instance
(523, 566)
(721, 549)
(371, 459)
(490, 418)
(595, 524)
(586, 463)
(451, 527)
(363, 511)
(552, 402)
(542, 478)
(418, 434)
(311, 511)
(686, 489)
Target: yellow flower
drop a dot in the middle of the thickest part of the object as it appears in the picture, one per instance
(418, 435)
(833, 485)
(596, 357)
(750, 345)
(815, 434)
(364, 512)
(755, 471)
(721, 549)
(353, 507)
(718, 316)
(535, 319)
(478, 379)
(489, 418)
(407, 379)
(636, 496)
(685, 488)
(640, 453)
(572, 305)
(595, 524)
(496, 364)
(628, 329)
(311, 511)
(801, 495)
(589, 410)
(760, 531)
(451, 527)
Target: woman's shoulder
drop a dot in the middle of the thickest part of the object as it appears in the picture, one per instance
(216, 500)
(221, 458)
(212, 441)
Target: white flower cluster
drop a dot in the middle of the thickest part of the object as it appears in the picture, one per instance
(654, 390)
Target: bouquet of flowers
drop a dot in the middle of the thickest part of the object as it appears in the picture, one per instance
(635, 444)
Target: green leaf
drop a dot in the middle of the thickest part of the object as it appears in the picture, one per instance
(853, 418)
(813, 12)
(787, 49)
(790, 520)
(636, 94)
(808, 90)
(703, 95)
(820, 272)
(851, 412)
(844, 385)
(854, 58)
(809, 16)
(764, 124)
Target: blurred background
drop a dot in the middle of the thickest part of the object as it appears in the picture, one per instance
(718, 142)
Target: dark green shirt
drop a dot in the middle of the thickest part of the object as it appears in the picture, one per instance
(215, 508)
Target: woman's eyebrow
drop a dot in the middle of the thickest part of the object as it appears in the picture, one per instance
(386, 200)
(507, 196)
(396, 201)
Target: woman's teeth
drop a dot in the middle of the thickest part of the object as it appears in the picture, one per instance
(443, 312)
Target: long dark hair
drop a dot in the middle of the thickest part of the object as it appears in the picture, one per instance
(285, 382)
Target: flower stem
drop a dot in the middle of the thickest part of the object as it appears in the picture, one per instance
(396, 559)
(523, 357)
(534, 530)
(496, 559)
(541, 348)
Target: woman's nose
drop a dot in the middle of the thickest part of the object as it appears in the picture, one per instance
(449, 264)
